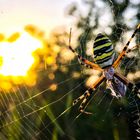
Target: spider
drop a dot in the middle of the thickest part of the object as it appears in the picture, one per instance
(104, 61)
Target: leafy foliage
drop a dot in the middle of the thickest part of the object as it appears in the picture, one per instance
(42, 111)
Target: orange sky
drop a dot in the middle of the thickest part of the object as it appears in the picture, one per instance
(46, 14)
(16, 57)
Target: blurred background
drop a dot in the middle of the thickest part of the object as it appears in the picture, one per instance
(40, 77)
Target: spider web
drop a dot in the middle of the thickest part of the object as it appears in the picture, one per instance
(26, 109)
(24, 116)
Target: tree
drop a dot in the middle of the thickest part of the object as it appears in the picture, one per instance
(88, 22)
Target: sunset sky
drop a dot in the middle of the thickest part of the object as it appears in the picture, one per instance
(14, 16)
(46, 14)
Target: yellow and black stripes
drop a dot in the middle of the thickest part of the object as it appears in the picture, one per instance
(88, 94)
(100, 42)
(103, 51)
(82, 60)
(127, 44)
(122, 54)
(85, 62)
(85, 97)
(105, 60)
(85, 101)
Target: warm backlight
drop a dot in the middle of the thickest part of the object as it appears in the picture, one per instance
(16, 56)
(17, 59)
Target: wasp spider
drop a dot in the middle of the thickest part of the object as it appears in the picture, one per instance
(104, 61)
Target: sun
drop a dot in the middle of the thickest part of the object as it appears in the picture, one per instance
(16, 56)
(17, 59)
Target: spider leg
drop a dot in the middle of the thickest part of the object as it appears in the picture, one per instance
(123, 53)
(129, 84)
(85, 101)
(82, 60)
(134, 47)
(85, 97)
